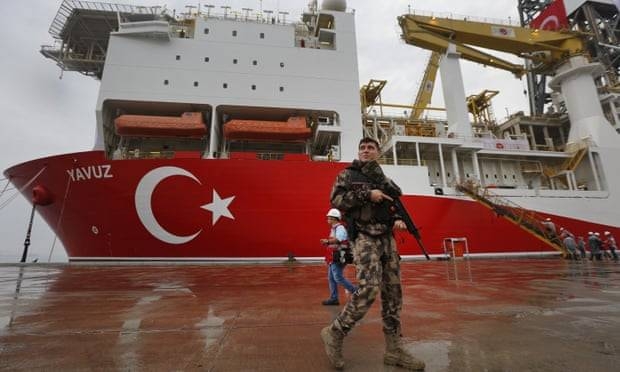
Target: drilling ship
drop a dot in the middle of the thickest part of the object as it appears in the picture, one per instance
(219, 136)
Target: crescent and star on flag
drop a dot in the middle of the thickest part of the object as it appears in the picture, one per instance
(144, 192)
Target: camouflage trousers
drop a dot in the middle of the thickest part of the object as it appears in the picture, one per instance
(378, 270)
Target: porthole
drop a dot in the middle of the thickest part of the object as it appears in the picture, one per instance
(281, 89)
(206, 59)
(235, 61)
(166, 82)
(195, 83)
(282, 64)
(178, 57)
(225, 85)
(206, 31)
(253, 87)
(234, 33)
(255, 62)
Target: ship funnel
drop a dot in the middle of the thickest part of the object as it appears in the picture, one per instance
(337, 5)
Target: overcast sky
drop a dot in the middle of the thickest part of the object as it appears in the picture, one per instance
(46, 112)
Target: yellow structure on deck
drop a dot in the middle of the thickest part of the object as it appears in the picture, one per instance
(425, 92)
(544, 48)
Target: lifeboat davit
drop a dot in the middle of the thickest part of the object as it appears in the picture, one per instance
(294, 129)
(189, 124)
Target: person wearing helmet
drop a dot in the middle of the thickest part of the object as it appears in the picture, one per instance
(595, 246)
(364, 194)
(581, 246)
(570, 245)
(550, 230)
(335, 243)
(610, 243)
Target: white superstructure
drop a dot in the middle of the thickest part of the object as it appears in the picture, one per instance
(237, 66)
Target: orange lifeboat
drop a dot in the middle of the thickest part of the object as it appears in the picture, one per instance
(189, 124)
(294, 129)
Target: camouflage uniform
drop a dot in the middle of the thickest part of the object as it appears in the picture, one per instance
(375, 253)
(376, 259)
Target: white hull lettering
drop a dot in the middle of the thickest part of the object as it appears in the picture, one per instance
(92, 172)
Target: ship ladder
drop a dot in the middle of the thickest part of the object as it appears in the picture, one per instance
(526, 219)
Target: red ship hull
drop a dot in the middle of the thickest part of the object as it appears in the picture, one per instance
(272, 209)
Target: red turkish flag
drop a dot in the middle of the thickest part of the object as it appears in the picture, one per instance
(552, 18)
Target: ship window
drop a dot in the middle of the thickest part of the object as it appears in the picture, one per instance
(235, 61)
(178, 57)
(448, 174)
(486, 176)
(262, 35)
(282, 64)
(253, 87)
(206, 59)
(255, 62)
(505, 176)
(225, 85)
(281, 89)
(195, 83)
(467, 175)
(234, 33)
(166, 82)
(206, 31)
(437, 174)
(495, 175)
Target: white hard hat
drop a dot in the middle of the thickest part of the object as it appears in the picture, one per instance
(547, 219)
(334, 213)
(597, 234)
(607, 233)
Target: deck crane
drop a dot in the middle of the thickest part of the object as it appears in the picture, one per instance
(425, 92)
(554, 53)
(479, 105)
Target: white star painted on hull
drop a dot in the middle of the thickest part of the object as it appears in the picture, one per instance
(219, 207)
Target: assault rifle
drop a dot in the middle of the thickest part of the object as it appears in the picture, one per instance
(399, 208)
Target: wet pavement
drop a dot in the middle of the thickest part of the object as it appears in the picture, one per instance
(478, 315)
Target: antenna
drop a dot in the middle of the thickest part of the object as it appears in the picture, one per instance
(283, 14)
(247, 12)
(225, 7)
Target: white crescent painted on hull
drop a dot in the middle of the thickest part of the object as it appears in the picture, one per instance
(144, 194)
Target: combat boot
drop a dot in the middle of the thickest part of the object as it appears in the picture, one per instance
(395, 355)
(333, 346)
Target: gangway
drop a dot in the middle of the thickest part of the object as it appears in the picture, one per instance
(526, 219)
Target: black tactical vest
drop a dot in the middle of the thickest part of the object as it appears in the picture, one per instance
(370, 213)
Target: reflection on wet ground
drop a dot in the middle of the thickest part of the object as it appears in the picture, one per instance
(481, 315)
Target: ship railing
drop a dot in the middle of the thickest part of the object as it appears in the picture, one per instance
(270, 155)
(275, 18)
(138, 154)
(450, 15)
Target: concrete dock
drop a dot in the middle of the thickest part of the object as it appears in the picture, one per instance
(460, 315)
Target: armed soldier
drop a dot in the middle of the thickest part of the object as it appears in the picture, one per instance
(363, 192)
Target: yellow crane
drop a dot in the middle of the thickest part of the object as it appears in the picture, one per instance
(544, 48)
(479, 106)
(425, 92)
